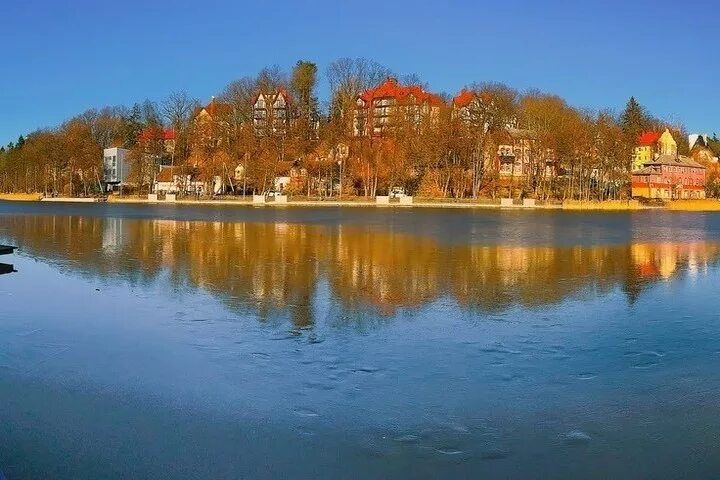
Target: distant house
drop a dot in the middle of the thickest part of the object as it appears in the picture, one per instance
(378, 110)
(515, 159)
(464, 103)
(211, 124)
(700, 150)
(116, 168)
(470, 107)
(166, 136)
(273, 113)
(670, 177)
(177, 180)
(651, 145)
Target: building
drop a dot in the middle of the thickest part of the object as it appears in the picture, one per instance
(517, 159)
(116, 168)
(650, 145)
(379, 109)
(695, 138)
(700, 150)
(176, 180)
(157, 135)
(513, 159)
(273, 113)
(211, 124)
(670, 177)
(464, 104)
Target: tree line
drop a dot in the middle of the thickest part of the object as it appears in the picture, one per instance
(569, 152)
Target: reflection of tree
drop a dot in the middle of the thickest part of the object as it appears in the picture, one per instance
(273, 269)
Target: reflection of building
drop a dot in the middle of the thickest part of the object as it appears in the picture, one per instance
(116, 167)
(276, 268)
(380, 109)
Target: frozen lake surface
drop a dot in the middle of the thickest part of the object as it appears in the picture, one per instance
(238, 342)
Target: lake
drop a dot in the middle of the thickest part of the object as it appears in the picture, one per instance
(141, 341)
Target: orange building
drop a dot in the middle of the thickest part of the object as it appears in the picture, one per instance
(669, 177)
(378, 109)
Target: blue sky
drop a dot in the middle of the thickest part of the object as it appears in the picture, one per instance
(62, 57)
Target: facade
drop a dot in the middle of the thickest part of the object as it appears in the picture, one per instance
(515, 159)
(212, 124)
(165, 135)
(273, 113)
(670, 177)
(463, 105)
(467, 107)
(378, 110)
(116, 167)
(173, 180)
(514, 154)
(700, 150)
(651, 145)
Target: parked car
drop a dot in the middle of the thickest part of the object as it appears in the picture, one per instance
(397, 192)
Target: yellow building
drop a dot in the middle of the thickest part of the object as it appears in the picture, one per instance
(651, 145)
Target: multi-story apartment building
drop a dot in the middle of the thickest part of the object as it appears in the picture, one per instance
(273, 113)
(116, 167)
(669, 177)
(380, 109)
(514, 153)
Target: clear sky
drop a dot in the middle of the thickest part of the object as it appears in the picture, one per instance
(62, 57)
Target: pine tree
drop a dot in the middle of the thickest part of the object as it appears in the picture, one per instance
(634, 120)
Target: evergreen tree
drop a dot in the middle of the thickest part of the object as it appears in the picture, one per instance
(132, 126)
(634, 120)
(714, 144)
(303, 82)
(20, 142)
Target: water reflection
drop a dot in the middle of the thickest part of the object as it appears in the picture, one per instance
(279, 268)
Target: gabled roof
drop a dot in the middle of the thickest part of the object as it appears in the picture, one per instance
(673, 161)
(156, 133)
(648, 139)
(464, 98)
(390, 88)
(272, 96)
(214, 108)
(166, 174)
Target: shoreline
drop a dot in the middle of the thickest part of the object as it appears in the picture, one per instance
(704, 205)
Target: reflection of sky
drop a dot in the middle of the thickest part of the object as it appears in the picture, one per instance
(114, 316)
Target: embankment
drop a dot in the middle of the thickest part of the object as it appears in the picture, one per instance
(704, 205)
(21, 197)
(604, 205)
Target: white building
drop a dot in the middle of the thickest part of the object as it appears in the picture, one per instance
(116, 167)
